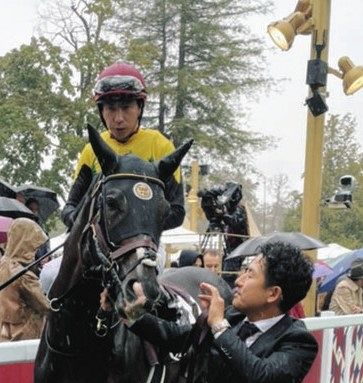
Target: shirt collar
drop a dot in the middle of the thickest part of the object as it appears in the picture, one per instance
(265, 324)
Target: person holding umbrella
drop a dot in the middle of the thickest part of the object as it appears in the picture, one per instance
(33, 205)
(347, 297)
(22, 303)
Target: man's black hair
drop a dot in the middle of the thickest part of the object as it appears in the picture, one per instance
(288, 268)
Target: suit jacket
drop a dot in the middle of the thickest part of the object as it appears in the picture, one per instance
(283, 354)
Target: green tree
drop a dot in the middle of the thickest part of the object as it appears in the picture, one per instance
(199, 69)
(32, 82)
(342, 155)
(80, 31)
(292, 217)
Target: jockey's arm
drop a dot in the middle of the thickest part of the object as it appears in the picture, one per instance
(77, 192)
(174, 193)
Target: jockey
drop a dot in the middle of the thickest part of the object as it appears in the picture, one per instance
(120, 95)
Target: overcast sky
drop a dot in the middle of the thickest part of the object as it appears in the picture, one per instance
(281, 114)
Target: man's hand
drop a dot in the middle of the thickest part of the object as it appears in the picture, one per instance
(213, 302)
(136, 309)
(105, 303)
(133, 310)
(357, 309)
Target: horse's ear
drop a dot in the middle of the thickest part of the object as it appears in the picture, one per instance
(167, 165)
(106, 157)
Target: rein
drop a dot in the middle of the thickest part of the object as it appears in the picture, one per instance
(28, 267)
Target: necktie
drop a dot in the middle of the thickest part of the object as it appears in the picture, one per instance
(247, 329)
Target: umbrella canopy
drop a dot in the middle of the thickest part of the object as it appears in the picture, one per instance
(7, 190)
(253, 245)
(5, 223)
(321, 269)
(46, 198)
(10, 207)
(340, 269)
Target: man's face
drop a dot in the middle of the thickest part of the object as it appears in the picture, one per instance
(198, 262)
(211, 262)
(251, 296)
(34, 207)
(121, 118)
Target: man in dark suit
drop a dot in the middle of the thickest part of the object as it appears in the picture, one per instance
(255, 341)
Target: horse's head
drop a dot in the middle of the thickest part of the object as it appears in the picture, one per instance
(127, 207)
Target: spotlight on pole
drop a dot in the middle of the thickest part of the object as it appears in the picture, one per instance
(352, 75)
(283, 32)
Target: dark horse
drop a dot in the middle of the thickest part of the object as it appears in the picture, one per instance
(112, 244)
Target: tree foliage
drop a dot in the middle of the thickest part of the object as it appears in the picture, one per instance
(32, 102)
(342, 156)
(199, 56)
(199, 69)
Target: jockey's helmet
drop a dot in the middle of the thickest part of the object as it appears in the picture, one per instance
(120, 79)
(122, 82)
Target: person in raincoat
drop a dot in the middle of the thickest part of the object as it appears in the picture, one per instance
(23, 304)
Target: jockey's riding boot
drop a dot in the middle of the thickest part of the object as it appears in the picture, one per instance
(78, 191)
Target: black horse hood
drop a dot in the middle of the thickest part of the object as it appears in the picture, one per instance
(133, 200)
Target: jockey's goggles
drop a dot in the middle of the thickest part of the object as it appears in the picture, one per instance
(114, 84)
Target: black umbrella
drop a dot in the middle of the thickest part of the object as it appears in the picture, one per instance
(47, 199)
(10, 207)
(253, 245)
(7, 190)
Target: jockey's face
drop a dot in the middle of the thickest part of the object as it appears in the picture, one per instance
(121, 118)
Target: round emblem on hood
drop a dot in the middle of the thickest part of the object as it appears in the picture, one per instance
(143, 191)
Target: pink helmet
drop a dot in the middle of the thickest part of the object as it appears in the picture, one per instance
(120, 79)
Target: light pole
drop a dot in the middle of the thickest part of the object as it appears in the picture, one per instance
(313, 17)
(193, 196)
(310, 217)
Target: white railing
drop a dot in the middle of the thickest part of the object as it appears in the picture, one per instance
(342, 344)
(20, 351)
(344, 355)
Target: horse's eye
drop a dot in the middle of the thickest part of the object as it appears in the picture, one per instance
(111, 202)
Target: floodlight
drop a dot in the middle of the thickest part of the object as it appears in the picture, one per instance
(283, 32)
(352, 75)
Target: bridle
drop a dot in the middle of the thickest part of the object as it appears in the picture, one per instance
(105, 251)
(108, 254)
